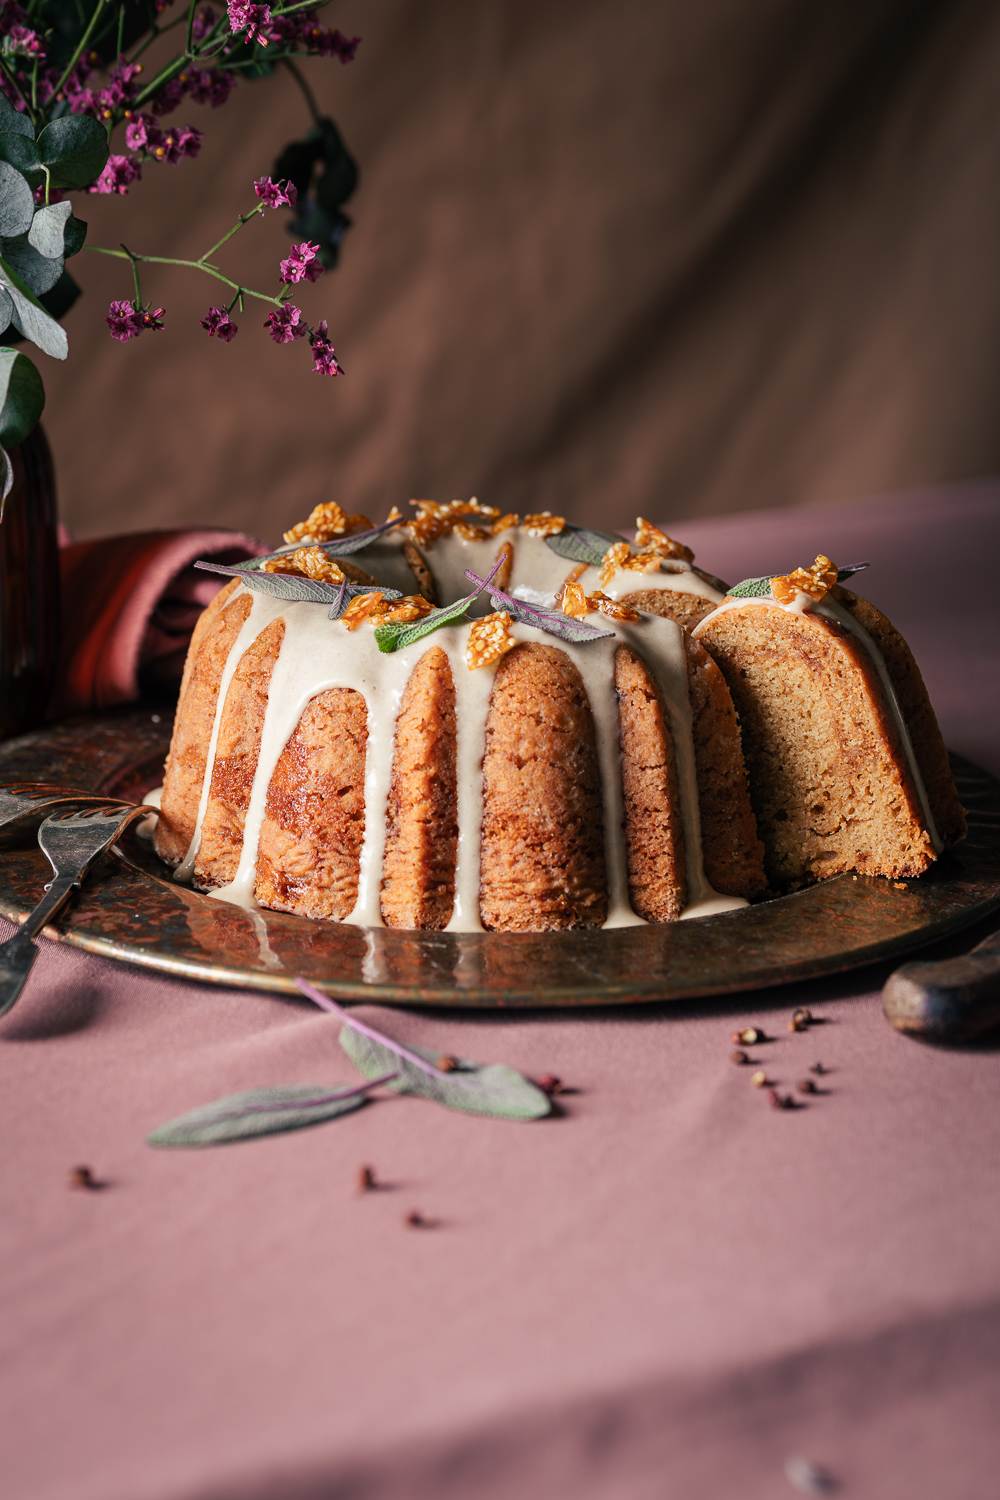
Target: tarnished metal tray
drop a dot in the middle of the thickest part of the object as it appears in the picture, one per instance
(131, 912)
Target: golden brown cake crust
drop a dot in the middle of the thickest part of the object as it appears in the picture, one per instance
(418, 871)
(310, 842)
(671, 604)
(211, 643)
(236, 759)
(542, 837)
(829, 786)
(732, 852)
(654, 832)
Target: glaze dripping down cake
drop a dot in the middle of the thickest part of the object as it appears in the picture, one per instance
(488, 774)
(469, 720)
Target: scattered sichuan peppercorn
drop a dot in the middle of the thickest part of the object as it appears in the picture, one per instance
(447, 1063)
(780, 1101)
(818, 1069)
(748, 1036)
(416, 1220)
(806, 1086)
(759, 1079)
(83, 1177)
(801, 1020)
(738, 1057)
(367, 1180)
(550, 1084)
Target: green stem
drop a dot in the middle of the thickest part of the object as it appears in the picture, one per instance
(81, 47)
(240, 222)
(12, 79)
(191, 265)
(136, 283)
(189, 34)
(306, 91)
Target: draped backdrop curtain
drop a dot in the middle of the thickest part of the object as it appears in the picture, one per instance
(605, 259)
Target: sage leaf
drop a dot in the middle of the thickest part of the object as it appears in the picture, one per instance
(239, 1117)
(12, 120)
(338, 546)
(296, 588)
(47, 234)
(17, 203)
(38, 272)
(580, 544)
(493, 1089)
(552, 621)
(30, 317)
(760, 588)
(22, 397)
(396, 637)
(75, 149)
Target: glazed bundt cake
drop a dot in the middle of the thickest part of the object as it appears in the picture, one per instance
(496, 723)
(848, 770)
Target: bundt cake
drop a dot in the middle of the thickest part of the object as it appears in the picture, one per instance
(496, 723)
(848, 770)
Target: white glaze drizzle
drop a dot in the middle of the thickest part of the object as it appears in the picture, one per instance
(315, 657)
(830, 609)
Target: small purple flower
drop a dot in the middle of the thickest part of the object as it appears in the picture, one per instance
(137, 132)
(248, 21)
(324, 355)
(219, 325)
(204, 22)
(23, 42)
(173, 144)
(299, 262)
(118, 176)
(276, 194)
(168, 97)
(285, 324)
(210, 86)
(152, 318)
(123, 321)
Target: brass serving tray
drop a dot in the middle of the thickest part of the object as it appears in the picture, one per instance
(130, 911)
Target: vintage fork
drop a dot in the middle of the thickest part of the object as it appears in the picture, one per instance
(25, 804)
(71, 842)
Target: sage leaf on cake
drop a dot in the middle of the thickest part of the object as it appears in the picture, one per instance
(338, 546)
(552, 621)
(760, 588)
(240, 1117)
(296, 588)
(490, 1089)
(396, 637)
(580, 544)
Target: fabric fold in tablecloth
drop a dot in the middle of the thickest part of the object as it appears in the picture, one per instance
(129, 605)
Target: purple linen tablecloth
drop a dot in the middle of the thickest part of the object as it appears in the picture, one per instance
(673, 1291)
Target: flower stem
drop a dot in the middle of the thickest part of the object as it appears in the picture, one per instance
(240, 223)
(303, 84)
(81, 47)
(190, 265)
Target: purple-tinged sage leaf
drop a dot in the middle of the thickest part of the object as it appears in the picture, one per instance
(491, 1089)
(297, 589)
(552, 621)
(338, 546)
(240, 1117)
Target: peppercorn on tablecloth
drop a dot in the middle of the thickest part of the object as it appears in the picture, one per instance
(674, 1290)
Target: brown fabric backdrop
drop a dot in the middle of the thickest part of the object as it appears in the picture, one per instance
(650, 256)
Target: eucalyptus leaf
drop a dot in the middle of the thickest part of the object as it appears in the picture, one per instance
(75, 149)
(47, 234)
(492, 1089)
(76, 235)
(580, 544)
(38, 271)
(6, 311)
(22, 397)
(12, 119)
(239, 1117)
(6, 478)
(19, 151)
(552, 621)
(17, 203)
(30, 317)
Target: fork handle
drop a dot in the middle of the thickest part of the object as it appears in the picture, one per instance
(950, 1000)
(57, 893)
